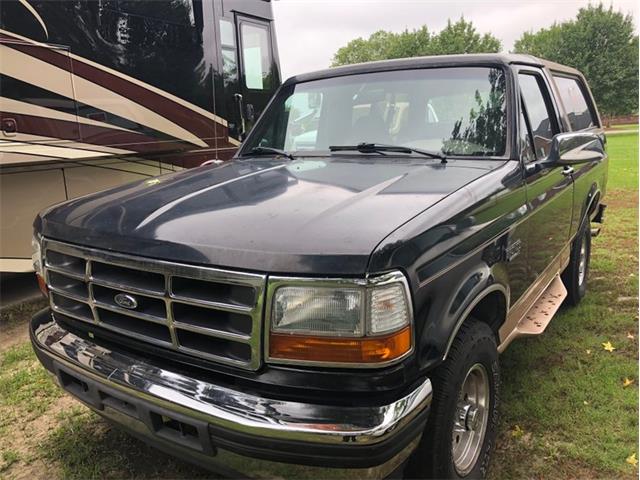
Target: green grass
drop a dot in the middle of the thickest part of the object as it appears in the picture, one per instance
(26, 395)
(564, 411)
(623, 164)
(24, 383)
(26, 390)
(625, 126)
(9, 457)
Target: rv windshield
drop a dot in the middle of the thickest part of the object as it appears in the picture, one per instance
(453, 111)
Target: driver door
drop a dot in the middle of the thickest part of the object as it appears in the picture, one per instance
(550, 189)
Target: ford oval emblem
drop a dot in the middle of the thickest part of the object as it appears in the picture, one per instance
(125, 300)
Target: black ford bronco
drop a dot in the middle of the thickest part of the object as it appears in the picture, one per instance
(332, 302)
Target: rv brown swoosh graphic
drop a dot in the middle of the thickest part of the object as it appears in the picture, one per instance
(27, 68)
(12, 106)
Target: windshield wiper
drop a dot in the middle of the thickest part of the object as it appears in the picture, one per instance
(380, 147)
(268, 150)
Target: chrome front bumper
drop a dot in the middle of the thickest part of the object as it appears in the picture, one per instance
(230, 431)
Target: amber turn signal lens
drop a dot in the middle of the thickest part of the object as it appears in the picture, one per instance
(340, 349)
(43, 285)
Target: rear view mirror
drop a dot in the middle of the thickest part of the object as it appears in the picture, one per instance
(576, 147)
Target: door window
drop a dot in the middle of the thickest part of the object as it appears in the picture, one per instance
(537, 107)
(228, 48)
(575, 103)
(526, 147)
(227, 35)
(256, 56)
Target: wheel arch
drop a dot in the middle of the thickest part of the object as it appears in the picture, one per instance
(591, 203)
(588, 206)
(489, 306)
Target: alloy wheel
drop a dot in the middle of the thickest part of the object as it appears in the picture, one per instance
(471, 418)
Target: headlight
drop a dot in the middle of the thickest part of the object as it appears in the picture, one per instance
(324, 311)
(340, 322)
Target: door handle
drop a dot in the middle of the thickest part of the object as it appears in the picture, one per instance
(566, 171)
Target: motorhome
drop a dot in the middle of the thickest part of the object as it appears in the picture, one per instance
(94, 94)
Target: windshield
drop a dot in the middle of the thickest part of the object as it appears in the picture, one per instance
(454, 111)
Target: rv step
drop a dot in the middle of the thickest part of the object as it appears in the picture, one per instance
(540, 314)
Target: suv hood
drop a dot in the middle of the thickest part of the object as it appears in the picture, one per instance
(313, 215)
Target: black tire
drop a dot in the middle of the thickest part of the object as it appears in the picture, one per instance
(474, 345)
(576, 283)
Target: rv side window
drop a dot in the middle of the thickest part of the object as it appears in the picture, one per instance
(227, 36)
(228, 47)
(256, 56)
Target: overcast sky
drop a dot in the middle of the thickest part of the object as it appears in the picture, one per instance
(310, 31)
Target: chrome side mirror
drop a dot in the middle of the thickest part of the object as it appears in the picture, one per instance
(576, 147)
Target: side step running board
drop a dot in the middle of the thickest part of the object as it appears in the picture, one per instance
(535, 321)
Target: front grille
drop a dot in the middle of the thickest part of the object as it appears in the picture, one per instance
(205, 312)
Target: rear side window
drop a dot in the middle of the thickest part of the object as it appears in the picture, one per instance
(575, 103)
(537, 108)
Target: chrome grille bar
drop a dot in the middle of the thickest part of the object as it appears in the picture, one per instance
(231, 335)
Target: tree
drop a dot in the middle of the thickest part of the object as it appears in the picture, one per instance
(458, 37)
(601, 44)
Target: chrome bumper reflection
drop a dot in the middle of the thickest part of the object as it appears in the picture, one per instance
(226, 408)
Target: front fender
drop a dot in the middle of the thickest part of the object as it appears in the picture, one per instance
(458, 252)
(452, 297)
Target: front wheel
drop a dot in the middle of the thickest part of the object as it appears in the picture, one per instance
(459, 436)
